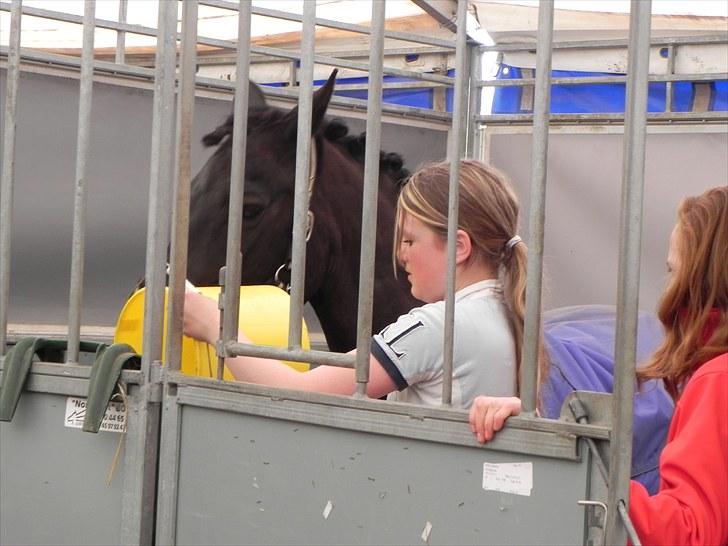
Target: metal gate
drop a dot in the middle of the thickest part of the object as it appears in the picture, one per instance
(228, 463)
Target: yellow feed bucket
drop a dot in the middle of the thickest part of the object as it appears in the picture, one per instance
(263, 318)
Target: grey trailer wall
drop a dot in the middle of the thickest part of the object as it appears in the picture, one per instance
(117, 190)
(583, 201)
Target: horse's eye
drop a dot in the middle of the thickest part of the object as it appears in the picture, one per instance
(252, 211)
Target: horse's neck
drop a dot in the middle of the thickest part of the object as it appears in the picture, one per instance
(335, 300)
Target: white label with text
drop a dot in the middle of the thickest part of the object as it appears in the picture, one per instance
(515, 478)
(114, 418)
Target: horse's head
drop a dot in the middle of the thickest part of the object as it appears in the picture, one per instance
(269, 191)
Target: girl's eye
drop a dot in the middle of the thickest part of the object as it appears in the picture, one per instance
(407, 242)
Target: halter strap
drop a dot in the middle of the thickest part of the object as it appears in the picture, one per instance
(285, 267)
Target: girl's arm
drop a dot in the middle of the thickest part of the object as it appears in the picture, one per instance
(488, 414)
(202, 322)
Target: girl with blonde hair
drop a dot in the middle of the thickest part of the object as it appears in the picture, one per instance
(406, 358)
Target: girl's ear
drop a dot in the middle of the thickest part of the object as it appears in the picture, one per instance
(464, 247)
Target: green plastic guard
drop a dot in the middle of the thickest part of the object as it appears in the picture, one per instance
(105, 375)
(17, 365)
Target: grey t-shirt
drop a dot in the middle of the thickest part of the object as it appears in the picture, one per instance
(484, 361)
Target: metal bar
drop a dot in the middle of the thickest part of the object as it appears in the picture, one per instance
(8, 170)
(342, 360)
(303, 157)
(216, 84)
(181, 189)
(476, 99)
(343, 63)
(121, 35)
(539, 160)
(586, 80)
(369, 200)
(633, 170)
(233, 260)
(169, 452)
(330, 23)
(79, 208)
(629, 527)
(137, 506)
(717, 38)
(160, 183)
(671, 71)
(655, 117)
(456, 147)
(227, 44)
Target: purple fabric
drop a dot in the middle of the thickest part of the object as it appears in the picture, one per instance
(580, 342)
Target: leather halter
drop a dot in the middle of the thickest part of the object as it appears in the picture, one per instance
(285, 267)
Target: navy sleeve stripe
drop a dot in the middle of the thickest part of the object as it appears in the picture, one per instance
(389, 366)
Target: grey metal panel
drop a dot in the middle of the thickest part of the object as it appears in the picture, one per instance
(246, 479)
(53, 478)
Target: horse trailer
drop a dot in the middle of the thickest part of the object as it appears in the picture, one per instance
(104, 440)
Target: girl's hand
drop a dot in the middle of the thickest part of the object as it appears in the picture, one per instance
(201, 319)
(489, 413)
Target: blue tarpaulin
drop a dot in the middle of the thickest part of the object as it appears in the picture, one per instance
(601, 97)
(580, 343)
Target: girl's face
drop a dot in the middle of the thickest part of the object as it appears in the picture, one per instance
(423, 255)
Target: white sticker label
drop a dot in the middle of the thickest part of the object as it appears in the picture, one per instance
(515, 478)
(114, 418)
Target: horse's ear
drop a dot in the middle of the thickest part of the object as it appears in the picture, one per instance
(256, 98)
(321, 98)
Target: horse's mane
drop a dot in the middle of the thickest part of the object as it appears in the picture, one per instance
(391, 163)
(334, 130)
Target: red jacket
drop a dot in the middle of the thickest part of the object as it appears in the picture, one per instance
(691, 506)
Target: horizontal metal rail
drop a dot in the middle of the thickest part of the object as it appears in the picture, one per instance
(586, 80)
(228, 44)
(147, 74)
(717, 38)
(415, 412)
(330, 23)
(296, 355)
(656, 117)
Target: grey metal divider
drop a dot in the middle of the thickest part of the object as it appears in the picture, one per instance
(8, 170)
(455, 152)
(81, 182)
(369, 207)
(269, 479)
(633, 170)
(539, 155)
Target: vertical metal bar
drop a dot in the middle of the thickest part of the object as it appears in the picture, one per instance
(233, 261)
(476, 98)
(140, 458)
(166, 524)
(181, 201)
(371, 191)
(455, 152)
(303, 153)
(120, 34)
(541, 113)
(670, 70)
(79, 209)
(633, 170)
(160, 182)
(8, 172)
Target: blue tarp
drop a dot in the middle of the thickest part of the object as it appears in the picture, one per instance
(603, 97)
(565, 99)
(580, 342)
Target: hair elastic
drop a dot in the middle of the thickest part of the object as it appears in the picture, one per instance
(513, 241)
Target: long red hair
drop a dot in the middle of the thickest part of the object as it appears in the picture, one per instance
(694, 307)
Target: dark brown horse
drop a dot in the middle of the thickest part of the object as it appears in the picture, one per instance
(332, 253)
